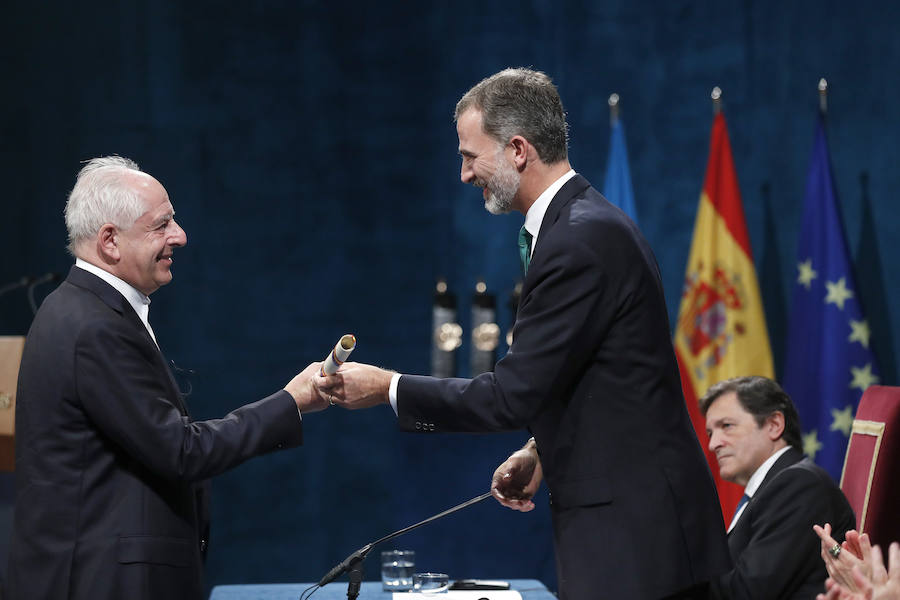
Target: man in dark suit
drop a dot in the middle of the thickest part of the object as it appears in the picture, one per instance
(111, 493)
(591, 371)
(754, 431)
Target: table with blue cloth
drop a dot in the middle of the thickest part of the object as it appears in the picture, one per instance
(531, 589)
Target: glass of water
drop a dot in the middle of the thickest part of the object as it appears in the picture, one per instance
(397, 568)
(431, 583)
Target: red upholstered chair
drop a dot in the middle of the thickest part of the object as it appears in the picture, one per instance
(871, 475)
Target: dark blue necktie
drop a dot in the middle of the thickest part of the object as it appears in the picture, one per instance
(744, 500)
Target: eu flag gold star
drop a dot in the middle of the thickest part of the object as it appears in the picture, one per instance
(863, 377)
(859, 332)
(806, 273)
(843, 420)
(811, 444)
(837, 293)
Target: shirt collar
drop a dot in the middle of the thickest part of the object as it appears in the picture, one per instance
(138, 301)
(535, 215)
(757, 478)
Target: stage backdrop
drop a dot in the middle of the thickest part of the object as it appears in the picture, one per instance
(309, 150)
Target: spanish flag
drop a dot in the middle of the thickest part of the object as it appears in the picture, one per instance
(721, 329)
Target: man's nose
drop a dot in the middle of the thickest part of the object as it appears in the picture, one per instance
(179, 237)
(466, 174)
(714, 441)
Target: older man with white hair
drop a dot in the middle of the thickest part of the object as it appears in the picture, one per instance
(111, 493)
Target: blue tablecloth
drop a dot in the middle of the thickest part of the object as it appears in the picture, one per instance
(531, 589)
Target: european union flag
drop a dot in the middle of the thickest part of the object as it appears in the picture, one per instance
(829, 362)
(617, 186)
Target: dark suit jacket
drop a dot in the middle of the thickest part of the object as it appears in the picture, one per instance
(775, 551)
(110, 469)
(592, 373)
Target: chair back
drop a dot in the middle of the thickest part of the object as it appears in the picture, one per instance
(871, 474)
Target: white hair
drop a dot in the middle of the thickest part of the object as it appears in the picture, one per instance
(101, 196)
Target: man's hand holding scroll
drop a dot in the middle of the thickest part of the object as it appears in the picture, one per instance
(303, 391)
(355, 385)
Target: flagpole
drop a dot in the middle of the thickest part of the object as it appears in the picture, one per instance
(613, 108)
(823, 96)
(716, 96)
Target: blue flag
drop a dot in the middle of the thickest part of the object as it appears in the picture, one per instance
(617, 186)
(829, 361)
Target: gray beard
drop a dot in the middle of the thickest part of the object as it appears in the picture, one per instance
(502, 188)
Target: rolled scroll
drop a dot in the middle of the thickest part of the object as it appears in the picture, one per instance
(337, 356)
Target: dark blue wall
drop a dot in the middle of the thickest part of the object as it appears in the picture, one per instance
(309, 150)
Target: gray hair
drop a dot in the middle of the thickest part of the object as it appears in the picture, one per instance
(521, 102)
(101, 196)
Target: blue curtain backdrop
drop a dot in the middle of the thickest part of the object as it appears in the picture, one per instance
(309, 150)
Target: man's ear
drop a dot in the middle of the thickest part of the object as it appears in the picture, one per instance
(108, 244)
(775, 425)
(522, 151)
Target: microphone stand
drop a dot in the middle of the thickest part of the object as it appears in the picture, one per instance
(45, 278)
(14, 285)
(353, 563)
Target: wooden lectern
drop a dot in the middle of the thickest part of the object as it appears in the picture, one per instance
(10, 358)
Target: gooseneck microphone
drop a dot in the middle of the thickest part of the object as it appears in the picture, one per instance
(353, 563)
(14, 285)
(29, 283)
(45, 278)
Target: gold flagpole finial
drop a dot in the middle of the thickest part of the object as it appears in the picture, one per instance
(613, 108)
(823, 95)
(716, 96)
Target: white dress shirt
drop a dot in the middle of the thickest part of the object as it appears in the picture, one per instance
(138, 301)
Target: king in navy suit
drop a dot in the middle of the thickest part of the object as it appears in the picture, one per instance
(591, 372)
(111, 471)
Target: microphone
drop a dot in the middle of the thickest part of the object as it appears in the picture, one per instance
(352, 563)
(45, 278)
(14, 285)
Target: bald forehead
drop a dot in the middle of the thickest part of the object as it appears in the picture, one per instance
(140, 180)
(153, 195)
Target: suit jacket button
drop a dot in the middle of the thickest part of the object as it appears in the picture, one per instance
(203, 545)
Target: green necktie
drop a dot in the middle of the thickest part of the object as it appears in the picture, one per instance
(525, 248)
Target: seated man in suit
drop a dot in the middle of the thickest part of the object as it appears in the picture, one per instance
(754, 431)
(111, 490)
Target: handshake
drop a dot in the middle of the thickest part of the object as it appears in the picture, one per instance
(354, 386)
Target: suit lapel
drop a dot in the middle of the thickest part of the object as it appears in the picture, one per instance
(566, 193)
(116, 301)
(569, 191)
(740, 535)
(787, 459)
